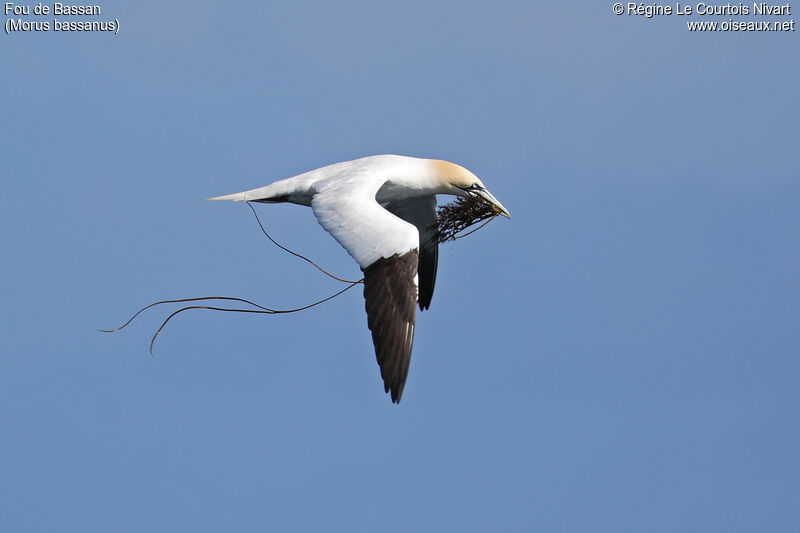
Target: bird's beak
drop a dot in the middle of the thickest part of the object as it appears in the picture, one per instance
(486, 195)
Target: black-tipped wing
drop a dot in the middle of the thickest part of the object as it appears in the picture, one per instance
(428, 264)
(421, 211)
(390, 293)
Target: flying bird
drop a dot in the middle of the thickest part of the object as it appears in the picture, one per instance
(382, 210)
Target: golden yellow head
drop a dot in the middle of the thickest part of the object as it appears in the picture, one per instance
(462, 182)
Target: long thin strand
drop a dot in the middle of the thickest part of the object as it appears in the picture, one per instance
(456, 237)
(262, 310)
(304, 258)
(183, 300)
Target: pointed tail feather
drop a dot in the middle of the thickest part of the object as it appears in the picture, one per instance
(293, 190)
(236, 197)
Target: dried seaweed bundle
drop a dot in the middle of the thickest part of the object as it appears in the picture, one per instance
(459, 215)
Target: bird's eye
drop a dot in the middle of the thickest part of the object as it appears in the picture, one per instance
(471, 188)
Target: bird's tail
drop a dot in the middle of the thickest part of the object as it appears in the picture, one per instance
(288, 190)
(236, 197)
(262, 194)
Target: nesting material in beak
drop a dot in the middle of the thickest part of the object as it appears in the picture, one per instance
(457, 216)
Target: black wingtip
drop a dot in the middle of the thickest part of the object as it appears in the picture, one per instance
(390, 302)
(397, 392)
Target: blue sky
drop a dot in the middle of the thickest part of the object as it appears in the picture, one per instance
(622, 355)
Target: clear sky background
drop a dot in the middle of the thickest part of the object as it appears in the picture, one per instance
(622, 355)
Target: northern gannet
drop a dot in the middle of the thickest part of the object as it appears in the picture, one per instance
(382, 210)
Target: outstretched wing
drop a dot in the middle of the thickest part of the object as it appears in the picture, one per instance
(390, 295)
(386, 248)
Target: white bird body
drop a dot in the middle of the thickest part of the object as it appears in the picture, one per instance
(382, 210)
